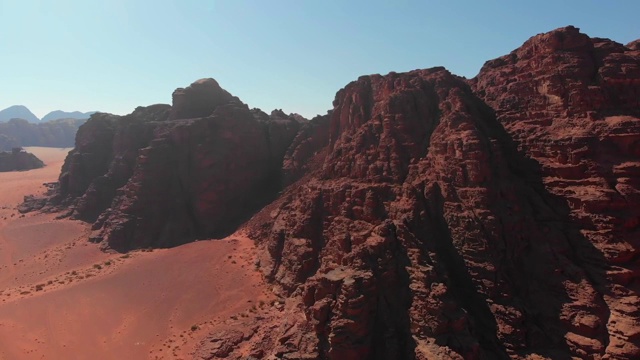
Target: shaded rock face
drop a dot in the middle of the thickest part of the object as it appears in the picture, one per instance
(19, 160)
(306, 151)
(165, 175)
(198, 100)
(105, 156)
(572, 103)
(197, 178)
(483, 219)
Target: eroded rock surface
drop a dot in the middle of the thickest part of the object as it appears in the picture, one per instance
(481, 219)
(572, 103)
(164, 175)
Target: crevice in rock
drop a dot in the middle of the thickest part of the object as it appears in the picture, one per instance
(392, 338)
(483, 323)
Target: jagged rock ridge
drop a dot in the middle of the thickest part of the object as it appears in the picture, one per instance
(494, 218)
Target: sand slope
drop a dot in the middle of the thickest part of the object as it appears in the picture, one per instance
(61, 298)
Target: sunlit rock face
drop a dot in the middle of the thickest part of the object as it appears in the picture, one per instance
(496, 217)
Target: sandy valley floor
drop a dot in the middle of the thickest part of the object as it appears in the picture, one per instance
(62, 298)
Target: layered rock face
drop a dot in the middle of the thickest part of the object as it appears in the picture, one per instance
(19, 160)
(165, 175)
(105, 156)
(573, 104)
(306, 152)
(482, 219)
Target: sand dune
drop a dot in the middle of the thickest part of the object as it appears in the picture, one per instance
(61, 298)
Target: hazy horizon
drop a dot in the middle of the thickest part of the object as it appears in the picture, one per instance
(79, 56)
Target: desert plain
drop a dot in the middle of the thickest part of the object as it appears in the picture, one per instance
(63, 298)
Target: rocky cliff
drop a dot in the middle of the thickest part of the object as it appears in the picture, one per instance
(165, 175)
(426, 216)
(482, 219)
(19, 160)
(572, 103)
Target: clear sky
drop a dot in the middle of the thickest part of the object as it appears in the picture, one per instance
(113, 55)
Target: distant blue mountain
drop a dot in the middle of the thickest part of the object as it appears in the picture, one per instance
(18, 112)
(59, 114)
(56, 133)
(20, 127)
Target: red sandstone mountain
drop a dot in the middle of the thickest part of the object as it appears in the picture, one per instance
(426, 216)
(164, 175)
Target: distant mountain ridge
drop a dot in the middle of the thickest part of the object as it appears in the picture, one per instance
(20, 127)
(59, 114)
(22, 112)
(18, 112)
(56, 133)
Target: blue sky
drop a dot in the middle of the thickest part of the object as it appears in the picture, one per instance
(115, 55)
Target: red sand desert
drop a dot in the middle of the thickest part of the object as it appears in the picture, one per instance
(62, 298)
